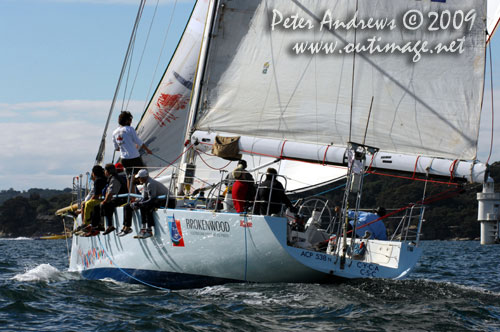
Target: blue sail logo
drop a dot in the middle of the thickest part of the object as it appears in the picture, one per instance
(175, 232)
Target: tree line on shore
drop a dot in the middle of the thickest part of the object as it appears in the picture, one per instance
(31, 213)
(450, 212)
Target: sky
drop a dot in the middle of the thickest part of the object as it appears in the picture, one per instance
(60, 62)
(59, 65)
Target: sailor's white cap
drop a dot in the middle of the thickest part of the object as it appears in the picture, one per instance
(143, 173)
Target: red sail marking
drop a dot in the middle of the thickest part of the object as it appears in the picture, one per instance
(167, 106)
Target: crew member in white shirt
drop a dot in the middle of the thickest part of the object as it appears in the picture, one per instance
(126, 141)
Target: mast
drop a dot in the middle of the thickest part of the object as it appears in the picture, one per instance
(187, 156)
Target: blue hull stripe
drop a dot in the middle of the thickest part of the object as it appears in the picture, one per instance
(170, 280)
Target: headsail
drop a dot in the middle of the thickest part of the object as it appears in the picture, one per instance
(163, 124)
(424, 104)
(493, 17)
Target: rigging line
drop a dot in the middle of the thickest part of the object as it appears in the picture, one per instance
(129, 70)
(421, 216)
(368, 123)
(168, 162)
(159, 57)
(142, 54)
(352, 80)
(488, 39)
(66, 236)
(274, 70)
(130, 64)
(172, 164)
(412, 178)
(214, 168)
(102, 146)
(437, 197)
(208, 154)
(296, 88)
(332, 189)
(297, 85)
(371, 162)
(492, 106)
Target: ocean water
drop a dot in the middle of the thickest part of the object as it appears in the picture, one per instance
(455, 287)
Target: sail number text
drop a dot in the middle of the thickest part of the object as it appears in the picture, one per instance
(317, 256)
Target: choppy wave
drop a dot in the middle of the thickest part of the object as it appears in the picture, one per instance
(43, 272)
(449, 291)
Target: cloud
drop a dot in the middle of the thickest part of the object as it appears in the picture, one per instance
(49, 111)
(45, 144)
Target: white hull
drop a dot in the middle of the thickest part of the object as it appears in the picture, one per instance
(225, 247)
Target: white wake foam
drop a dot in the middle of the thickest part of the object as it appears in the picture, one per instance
(21, 238)
(43, 272)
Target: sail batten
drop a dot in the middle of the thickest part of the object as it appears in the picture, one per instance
(423, 104)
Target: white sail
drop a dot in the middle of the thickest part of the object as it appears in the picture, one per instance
(493, 17)
(256, 85)
(163, 124)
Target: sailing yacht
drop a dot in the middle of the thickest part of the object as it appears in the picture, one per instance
(320, 91)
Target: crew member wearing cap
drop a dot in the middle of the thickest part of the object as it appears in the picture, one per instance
(120, 169)
(151, 190)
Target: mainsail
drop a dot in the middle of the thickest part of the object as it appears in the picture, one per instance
(266, 80)
(163, 124)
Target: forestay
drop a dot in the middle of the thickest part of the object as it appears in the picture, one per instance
(423, 104)
(163, 124)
